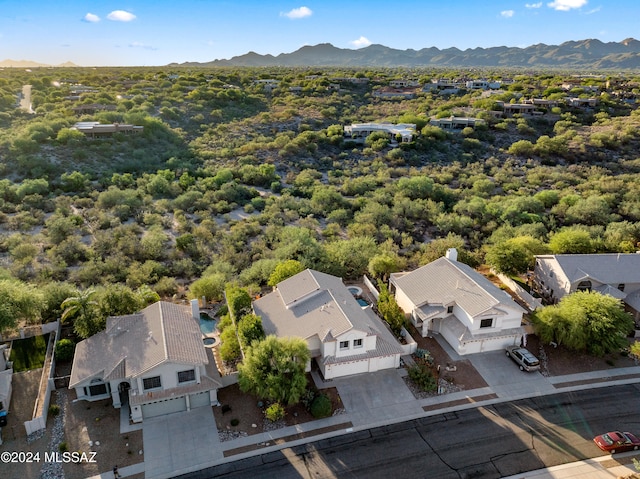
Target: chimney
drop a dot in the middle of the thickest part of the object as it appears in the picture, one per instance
(195, 309)
(452, 254)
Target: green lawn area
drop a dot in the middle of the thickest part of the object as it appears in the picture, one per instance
(29, 353)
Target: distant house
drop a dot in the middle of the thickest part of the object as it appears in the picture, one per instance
(582, 102)
(94, 129)
(92, 108)
(618, 275)
(359, 131)
(452, 299)
(403, 83)
(153, 361)
(343, 337)
(456, 123)
(482, 85)
(510, 109)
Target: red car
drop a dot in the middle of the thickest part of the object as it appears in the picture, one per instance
(617, 441)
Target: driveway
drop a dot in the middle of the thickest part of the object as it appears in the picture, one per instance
(505, 378)
(179, 443)
(376, 397)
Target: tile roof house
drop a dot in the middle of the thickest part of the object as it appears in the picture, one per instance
(343, 337)
(452, 299)
(153, 361)
(616, 274)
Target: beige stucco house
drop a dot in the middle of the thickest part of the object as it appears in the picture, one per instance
(452, 299)
(153, 361)
(343, 337)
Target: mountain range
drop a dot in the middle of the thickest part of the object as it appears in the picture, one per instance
(584, 54)
(30, 64)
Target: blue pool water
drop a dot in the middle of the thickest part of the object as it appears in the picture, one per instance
(207, 325)
(362, 302)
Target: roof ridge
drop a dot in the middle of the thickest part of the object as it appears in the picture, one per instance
(163, 330)
(482, 291)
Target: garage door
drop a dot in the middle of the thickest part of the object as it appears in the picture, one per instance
(199, 400)
(166, 406)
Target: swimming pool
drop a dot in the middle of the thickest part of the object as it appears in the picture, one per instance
(355, 290)
(362, 302)
(207, 325)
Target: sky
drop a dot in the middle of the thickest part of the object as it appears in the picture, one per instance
(159, 32)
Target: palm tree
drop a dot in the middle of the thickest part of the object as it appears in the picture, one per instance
(80, 309)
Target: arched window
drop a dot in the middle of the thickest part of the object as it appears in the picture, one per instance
(584, 286)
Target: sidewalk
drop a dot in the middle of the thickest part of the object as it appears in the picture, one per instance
(364, 412)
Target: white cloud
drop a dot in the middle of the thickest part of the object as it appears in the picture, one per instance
(566, 5)
(361, 42)
(121, 16)
(91, 18)
(533, 5)
(507, 13)
(141, 45)
(595, 10)
(297, 13)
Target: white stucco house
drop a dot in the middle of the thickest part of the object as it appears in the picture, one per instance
(343, 337)
(452, 299)
(360, 131)
(153, 361)
(618, 275)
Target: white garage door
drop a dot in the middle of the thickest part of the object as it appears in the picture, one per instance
(199, 400)
(166, 406)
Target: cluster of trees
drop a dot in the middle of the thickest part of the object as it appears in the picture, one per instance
(232, 183)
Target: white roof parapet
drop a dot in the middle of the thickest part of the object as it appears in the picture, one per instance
(403, 129)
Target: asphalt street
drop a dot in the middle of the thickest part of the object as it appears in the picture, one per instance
(486, 442)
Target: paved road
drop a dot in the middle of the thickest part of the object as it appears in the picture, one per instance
(488, 442)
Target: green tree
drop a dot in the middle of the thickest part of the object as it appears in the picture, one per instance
(515, 255)
(250, 329)
(211, 287)
(274, 369)
(390, 311)
(285, 270)
(19, 302)
(82, 309)
(571, 240)
(383, 264)
(585, 321)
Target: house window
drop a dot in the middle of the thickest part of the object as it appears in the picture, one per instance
(621, 286)
(357, 343)
(151, 383)
(449, 309)
(186, 376)
(344, 344)
(584, 286)
(97, 388)
(486, 323)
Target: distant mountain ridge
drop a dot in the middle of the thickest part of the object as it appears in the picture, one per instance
(29, 64)
(584, 54)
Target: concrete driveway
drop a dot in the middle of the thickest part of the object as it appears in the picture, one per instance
(505, 378)
(376, 397)
(179, 443)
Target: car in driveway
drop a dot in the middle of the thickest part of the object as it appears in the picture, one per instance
(617, 441)
(523, 358)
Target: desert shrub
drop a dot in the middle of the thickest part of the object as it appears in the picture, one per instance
(423, 378)
(321, 406)
(63, 447)
(54, 410)
(275, 412)
(64, 350)
(230, 347)
(235, 422)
